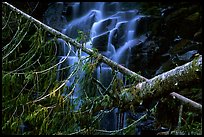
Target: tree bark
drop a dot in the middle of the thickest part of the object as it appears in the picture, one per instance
(104, 59)
(147, 89)
(162, 85)
(186, 100)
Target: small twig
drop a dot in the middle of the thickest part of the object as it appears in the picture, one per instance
(4, 57)
(132, 124)
(99, 83)
(7, 21)
(34, 7)
(180, 117)
(186, 100)
(78, 132)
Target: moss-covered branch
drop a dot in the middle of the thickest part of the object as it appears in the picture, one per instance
(156, 88)
(104, 59)
(162, 85)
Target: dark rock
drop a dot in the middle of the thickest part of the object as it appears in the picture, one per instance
(186, 57)
(120, 35)
(189, 25)
(184, 21)
(163, 44)
(155, 26)
(101, 42)
(175, 61)
(70, 9)
(198, 35)
(181, 13)
(165, 57)
(53, 16)
(179, 46)
(165, 67)
(177, 39)
(125, 15)
(105, 25)
(183, 46)
(110, 7)
(145, 57)
(142, 25)
(179, 57)
(84, 7)
(167, 11)
(83, 24)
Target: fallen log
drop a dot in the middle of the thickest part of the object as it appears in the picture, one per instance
(163, 84)
(147, 89)
(156, 88)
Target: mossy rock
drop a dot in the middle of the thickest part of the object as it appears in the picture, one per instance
(193, 17)
(179, 46)
(189, 25)
(198, 35)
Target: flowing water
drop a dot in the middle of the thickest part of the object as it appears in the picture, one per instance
(112, 28)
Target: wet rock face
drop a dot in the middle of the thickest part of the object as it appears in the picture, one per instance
(143, 25)
(145, 57)
(119, 36)
(111, 25)
(176, 31)
(112, 31)
(184, 21)
(81, 24)
(167, 36)
(106, 25)
(181, 52)
(54, 16)
(101, 42)
(108, 29)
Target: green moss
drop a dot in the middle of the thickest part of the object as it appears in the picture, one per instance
(193, 17)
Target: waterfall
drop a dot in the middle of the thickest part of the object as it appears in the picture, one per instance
(112, 30)
(75, 9)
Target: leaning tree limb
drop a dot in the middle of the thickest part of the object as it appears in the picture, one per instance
(104, 59)
(186, 100)
(155, 88)
(162, 85)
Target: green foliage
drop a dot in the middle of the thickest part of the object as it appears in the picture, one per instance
(190, 126)
(31, 93)
(28, 75)
(81, 36)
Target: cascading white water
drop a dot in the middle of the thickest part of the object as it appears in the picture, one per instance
(75, 9)
(112, 31)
